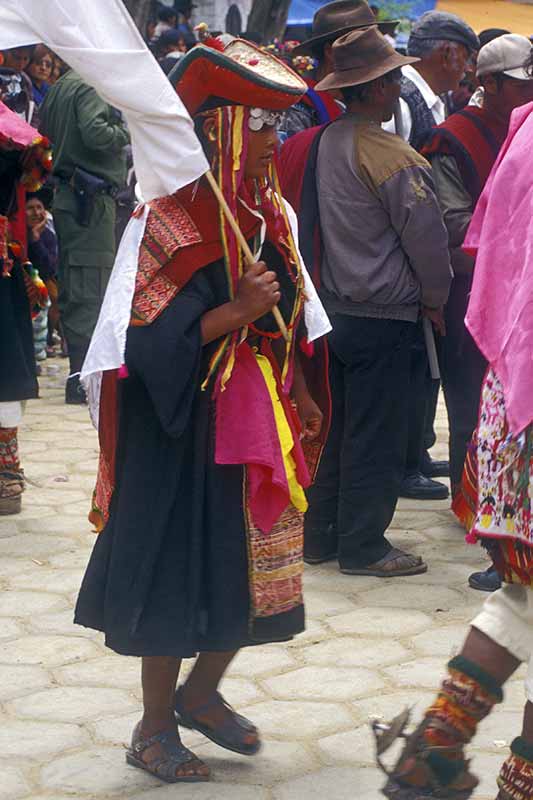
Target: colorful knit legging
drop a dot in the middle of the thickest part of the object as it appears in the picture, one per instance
(9, 450)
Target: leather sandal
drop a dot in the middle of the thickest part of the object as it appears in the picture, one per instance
(407, 565)
(175, 756)
(229, 734)
(11, 489)
(413, 777)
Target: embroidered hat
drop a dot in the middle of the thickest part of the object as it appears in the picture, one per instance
(360, 57)
(508, 55)
(340, 17)
(228, 71)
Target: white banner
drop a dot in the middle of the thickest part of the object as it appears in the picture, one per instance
(99, 40)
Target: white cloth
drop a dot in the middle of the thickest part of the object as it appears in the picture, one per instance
(432, 100)
(108, 344)
(478, 98)
(99, 40)
(507, 619)
(11, 414)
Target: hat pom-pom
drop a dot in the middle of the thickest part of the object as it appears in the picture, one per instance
(214, 43)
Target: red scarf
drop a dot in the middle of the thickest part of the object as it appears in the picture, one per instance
(473, 137)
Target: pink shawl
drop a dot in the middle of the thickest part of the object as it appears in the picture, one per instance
(500, 313)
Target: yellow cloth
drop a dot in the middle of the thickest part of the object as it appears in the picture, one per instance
(286, 440)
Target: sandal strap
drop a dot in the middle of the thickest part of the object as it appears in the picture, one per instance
(217, 699)
(175, 753)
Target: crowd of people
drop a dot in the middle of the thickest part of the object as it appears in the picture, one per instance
(371, 187)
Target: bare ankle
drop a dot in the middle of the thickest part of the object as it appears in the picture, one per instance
(157, 720)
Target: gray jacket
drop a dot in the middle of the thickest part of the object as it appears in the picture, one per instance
(385, 246)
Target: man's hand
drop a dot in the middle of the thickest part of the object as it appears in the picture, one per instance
(436, 315)
(258, 292)
(310, 415)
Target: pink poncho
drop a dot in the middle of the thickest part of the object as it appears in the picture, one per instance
(500, 313)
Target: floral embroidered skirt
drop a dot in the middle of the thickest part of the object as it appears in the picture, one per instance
(494, 503)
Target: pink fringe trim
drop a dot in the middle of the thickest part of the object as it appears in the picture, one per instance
(123, 372)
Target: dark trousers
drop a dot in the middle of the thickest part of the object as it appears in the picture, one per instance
(420, 403)
(359, 477)
(463, 369)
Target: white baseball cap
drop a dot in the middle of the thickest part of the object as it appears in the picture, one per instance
(508, 55)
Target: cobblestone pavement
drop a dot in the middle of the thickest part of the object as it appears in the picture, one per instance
(371, 647)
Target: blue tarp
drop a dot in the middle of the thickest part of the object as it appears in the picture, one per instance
(301, 12)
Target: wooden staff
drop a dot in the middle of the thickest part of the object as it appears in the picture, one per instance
(249, 256)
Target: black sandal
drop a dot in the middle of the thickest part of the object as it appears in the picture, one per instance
(413, 777)
(229, 734)
(164, 767)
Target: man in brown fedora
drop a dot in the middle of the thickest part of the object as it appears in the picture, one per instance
(330, 21)
(384, 258)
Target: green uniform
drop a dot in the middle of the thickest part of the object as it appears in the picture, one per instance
(87, 133)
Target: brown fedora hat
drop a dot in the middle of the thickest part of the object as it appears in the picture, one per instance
(360, 57)
(335, 19)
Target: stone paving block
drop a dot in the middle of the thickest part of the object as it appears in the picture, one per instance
(414, 520)
(486, 767)
(384, 707)
(348, 651)
(240, 692)
(39, 740)
(32, 511)
(325, 604)
(13, 566)
(212, 790)
(96, 771)
(59, 581)
(426, 597)
(514, 695)
(293, 720)
(61, 622)
(314, 632)
(116, 730)
(348, 747)
(328, 578)
(442, 641)
(40, 470)
(22, 604)
(10, 628)
(335, 783)
(8, 527)
(72, 704)
(20, 680)
(448, 572)
(253, 661)
(424, 672)
(75, 559)
(124, 673)
(57, 525)
(275, 761)
(79, 509)
(54, 494)
(324, 683)
(32, 545)
(380, 621)
(13, 783)
(501, 726)
(48, 651)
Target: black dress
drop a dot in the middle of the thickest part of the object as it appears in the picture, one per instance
(18, 373)
(169, 573)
